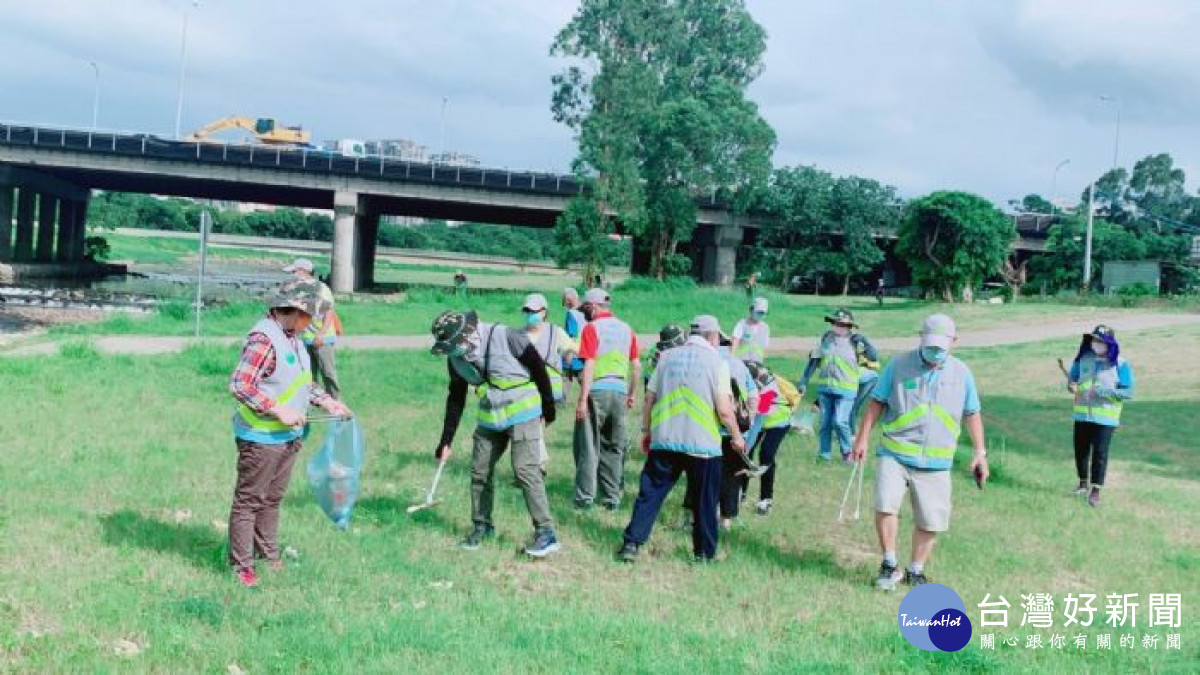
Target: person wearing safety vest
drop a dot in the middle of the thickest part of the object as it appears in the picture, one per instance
(1101, 381)
(573, 323)
(923, 397)
(835, 363)
(515, 402)
(555, 348)
(609, 349)
(775, 412)
(273, 388)
(868, 373)
(321, 335)
(688, 402)
(752, 336)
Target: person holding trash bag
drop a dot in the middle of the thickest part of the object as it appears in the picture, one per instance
(273, 387)
(515, 397)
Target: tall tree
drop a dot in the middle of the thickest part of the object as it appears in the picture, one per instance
(863, 210)
(659, 110)
(954, 239)
(1110, 196)
(1156, 188)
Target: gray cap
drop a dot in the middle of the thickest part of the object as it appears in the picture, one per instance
(760, 305)
(706, 323)
(597, 296)
(938, 331)
(535, 302)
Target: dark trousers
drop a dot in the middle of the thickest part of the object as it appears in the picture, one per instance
(769, 442)
(263, 472)
(659, 475)
(731, 482)
(1092, 440)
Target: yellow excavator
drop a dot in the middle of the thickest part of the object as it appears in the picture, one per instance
(264, 130)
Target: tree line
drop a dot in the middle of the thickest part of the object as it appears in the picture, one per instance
(655, 94)
(110, 210)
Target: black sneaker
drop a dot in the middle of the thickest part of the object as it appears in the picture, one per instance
(544, 543)
(889, 576)
(628, 552)
(916, 578)
(475, 539)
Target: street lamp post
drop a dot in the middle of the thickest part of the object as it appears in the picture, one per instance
(1117, 133)
(95, 97)
(442, 130)
(1087, 241)
(1054, 185)
(182, 68)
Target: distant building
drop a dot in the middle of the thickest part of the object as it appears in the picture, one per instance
(402, 149)
(454, 159)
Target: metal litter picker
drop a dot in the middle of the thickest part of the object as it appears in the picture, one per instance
(429, 497)
(859, 470)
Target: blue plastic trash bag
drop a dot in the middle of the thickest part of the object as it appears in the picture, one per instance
(804, 422)
(334, 470)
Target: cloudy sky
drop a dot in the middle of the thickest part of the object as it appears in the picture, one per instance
(987, 95)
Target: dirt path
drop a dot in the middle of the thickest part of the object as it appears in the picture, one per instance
(1044, 330)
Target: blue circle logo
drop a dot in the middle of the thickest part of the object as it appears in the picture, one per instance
(933, 617)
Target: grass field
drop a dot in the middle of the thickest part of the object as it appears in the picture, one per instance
(113, 503)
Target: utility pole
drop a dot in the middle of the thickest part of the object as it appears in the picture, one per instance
(182, 69)
(95, 97)
(1054, 186)
(1087, 240)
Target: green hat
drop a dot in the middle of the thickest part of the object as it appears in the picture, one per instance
(301, 294)
(450, 329)
(841, 315)
(670, 336)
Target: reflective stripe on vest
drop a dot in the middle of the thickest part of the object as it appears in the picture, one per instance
(611, 369)
(509, 397)
(838, 370)
(684, 415)
(289, 385)
(750, 347)
(922, 421)
(1095, 374)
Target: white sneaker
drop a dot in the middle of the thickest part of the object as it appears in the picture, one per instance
(763, 507)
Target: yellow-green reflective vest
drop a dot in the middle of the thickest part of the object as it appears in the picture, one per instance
(921, 424)
(289, 385)
(1096, 374)
(779, 414)
(752, 346)
(615, 339)
(508, 396)
(684, 416)
(838, 370)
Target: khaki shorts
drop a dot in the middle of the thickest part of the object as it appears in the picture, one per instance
(930, 492)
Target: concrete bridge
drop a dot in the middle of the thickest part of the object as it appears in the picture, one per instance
(56, 169)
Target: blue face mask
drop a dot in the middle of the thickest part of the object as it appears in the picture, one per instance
(934, 356)
(533, 318)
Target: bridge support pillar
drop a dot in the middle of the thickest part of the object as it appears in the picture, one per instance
(717, 248)
(6, 222)
(70, 227)
(23, 248)
(355, 230)
(343, 259)
(47, 217)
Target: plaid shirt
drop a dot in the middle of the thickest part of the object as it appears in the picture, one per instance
(257, 362)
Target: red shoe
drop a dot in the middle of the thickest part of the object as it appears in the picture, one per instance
(248, 577)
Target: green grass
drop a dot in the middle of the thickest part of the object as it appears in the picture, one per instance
(92, 551)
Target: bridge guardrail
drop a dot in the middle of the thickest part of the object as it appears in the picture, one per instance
(299, 159)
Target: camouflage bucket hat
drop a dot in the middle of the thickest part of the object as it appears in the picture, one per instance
(670, 336)
(841, 315)
(301, 294)
(762, 376)
(450, 329)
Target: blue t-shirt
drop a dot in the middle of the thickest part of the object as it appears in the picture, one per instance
(573, 330)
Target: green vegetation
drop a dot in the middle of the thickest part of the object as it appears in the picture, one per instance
(112, 531)
(111, 210)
